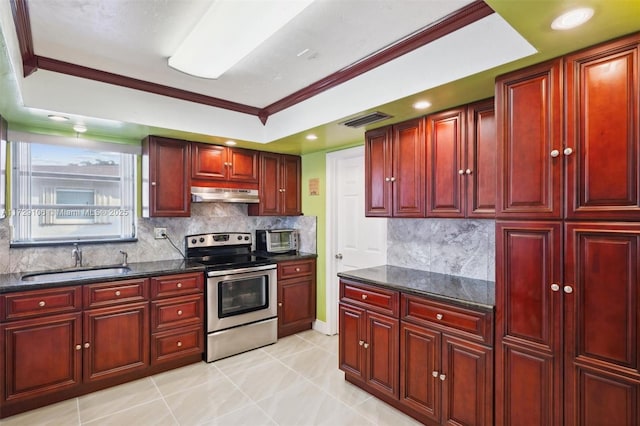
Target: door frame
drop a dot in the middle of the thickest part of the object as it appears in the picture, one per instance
(331, 284)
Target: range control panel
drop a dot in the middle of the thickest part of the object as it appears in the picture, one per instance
(219, 239)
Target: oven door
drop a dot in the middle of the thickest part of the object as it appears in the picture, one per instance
(241, 296)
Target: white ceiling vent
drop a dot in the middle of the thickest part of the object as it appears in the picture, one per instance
(363, 120)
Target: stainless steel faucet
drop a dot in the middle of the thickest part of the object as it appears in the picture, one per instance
(125, 256)
(76, 255)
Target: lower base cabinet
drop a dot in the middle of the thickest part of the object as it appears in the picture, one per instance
(431, 360)
(296, 296)
(52, 349)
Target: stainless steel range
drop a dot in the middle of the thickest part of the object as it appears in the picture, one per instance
(241, 293)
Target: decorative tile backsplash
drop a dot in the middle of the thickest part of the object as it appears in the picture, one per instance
(447, 246)
(205, 217)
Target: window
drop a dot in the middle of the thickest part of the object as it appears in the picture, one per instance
(63, 193)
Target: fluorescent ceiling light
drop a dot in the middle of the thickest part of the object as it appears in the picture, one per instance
(572, 18)
(229, 31)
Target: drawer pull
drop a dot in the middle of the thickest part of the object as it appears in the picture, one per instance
(117, 292)
(366, 345)
(41, 303)
(361, 342)
(179, 343)
(364, 297)
(86, 345)
(434, 374)
(179, 311)
(443, 377)
(297, 269)
(439, 316)
(280, 304)
(179, 285)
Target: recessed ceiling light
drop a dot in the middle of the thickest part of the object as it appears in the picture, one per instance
(572, 18)
(80, 128)
(311, 137)
(230, 143)
(422, 105)
(55, 117)
(302, 52)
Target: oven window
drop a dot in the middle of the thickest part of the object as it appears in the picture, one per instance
(244, 295)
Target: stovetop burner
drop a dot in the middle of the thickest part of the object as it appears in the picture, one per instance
(219, 251)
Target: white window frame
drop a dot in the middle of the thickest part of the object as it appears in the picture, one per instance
(22, 204)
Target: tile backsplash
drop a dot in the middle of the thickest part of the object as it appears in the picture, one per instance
(205, 217)
(447, 246)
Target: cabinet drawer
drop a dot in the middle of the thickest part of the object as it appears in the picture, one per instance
(41, 302)
(174, 344)
(116, 292)
(469, 322)
(177, 285)
(177, 312)
(296, 268)
(375, 298)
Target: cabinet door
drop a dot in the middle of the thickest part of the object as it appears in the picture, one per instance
(242, 165)
(408, 175)
(602, 317)
(480, 169)
(420, 370)
(445, 133)
(378, 172)
(603, 97)
(467, 385)
(351, 334)
(296, 305)
(41, 356)
(208, 161)
(117, 341)
(529, 323)
(291, 170)
(529, 122)
(270, 186)
(381, 348)
(169, 173)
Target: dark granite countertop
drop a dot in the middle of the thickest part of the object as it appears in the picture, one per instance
(449, 288)
(286, 257)
(13, 282)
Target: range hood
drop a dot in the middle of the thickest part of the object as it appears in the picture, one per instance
(206, 194)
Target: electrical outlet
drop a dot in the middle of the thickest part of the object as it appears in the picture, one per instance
(160, 233)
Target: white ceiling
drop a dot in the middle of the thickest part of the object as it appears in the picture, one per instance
(134, 38)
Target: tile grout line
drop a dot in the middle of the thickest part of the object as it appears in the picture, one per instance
(164, 401)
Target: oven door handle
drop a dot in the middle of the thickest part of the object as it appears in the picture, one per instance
(241, 270)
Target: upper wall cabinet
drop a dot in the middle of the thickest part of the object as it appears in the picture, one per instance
(599, 158)
(479, 168)
(279, 186)
(165, 181)
(221, 163)
(3, 164)
(395, 170)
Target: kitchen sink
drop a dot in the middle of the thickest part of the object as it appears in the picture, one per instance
(77, 274)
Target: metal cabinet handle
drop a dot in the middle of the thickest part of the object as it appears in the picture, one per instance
(554, 153)
(297, 269)
(366, 345)
(153, 184)
(568, 151)
(41, 303)
(78, 347)
(555, 287)
(568, 289)
(393, 179)
(442, 377)
(179, 311)
(364, 297)
(179, 344)
(434, 374)
(460, 172)
(468, 171)
(86, 345)
(179, 285)
(117, 292)
(439, 316)
(280, 304)
(387, 179)
(339, 256)
(361, 342)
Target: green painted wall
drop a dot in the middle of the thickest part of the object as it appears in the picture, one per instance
(314, 167)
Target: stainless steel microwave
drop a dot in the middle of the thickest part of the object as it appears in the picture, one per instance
(277, 240)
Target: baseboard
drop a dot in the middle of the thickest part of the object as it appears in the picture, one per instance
(321, 327)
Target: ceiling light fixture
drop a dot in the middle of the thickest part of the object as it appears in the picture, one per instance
(228, 31)
(311, 137)
(80, 128)
(422, 105)
(230, 143)
(572, 18)
(55, 117)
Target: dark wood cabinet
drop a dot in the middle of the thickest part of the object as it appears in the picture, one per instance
(221, 163)
(296, 296)
(279, 186)
(166, 168)
(480, 160)
(395, 170)
(529, 122)
(603, 136)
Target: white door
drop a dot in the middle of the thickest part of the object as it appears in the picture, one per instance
(353, 240)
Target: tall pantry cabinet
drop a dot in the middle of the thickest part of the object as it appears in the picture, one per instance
(568, 240)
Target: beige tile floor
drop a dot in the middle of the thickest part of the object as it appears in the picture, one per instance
(295, 382)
